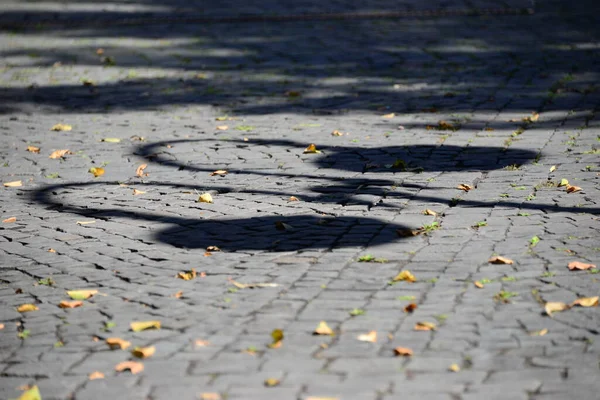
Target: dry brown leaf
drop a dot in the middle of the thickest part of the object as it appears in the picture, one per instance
(133, 366)
(311, 149)
(96, 171)
(9, 220)
(573, 189)
(454, 368)
(13, 184)
(403, 351)
(210, 396)
(201, 343)
(82, 294)
(368, 337)
(500, 260)
(429, 212)
(586, 302)
(270, 382)
(187, 275)
(408, 232)
(424, 326)
(293, 198)
(541, 332)
(70, 304)
(220, 172)
(140, 170)
(61, 128)
(410, 308)
(137, 192)
(555, 306)
(27, 308)
(323, 329)
(33, 149)
(388, 116)
(465, 187)
(405, 275)
(117, 343)
(143, 325)
(578, 265)
(143, 352)
(337, 133)
(222, 127)
(205, 198)
(95, 375)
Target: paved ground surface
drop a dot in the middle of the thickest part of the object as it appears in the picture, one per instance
(163, 90)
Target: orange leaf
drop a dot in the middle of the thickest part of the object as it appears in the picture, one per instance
(96, 375)
(201, 343)
(178, 294)
(13, 184)
(27, 308)
(500, 260)
(429, 212)
(368, 337)
(478, 284)
(311, 149)
(403, 351)
(33, 149)
(117, 343)
(59, 153)
(1, 326)
(555, 306)
(586, 302)
(573, 189)
(140, 170)
(70, 304)
(96, 171)
(143, 352)
(51, 251)
(410, 308)
(465, 187)
(323, 329)
(405, 275)
(9, 220)
(220, 172)
(578, 265)
(187, 275)
(424, 326)
(210, 396)
(133, 366)
(293, 198)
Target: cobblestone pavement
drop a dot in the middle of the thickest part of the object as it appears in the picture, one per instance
(505, 104)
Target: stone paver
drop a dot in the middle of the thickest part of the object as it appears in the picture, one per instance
(489, 101)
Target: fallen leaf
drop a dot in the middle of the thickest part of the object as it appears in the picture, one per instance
(551, 307)
(111, 140)
(70, 304)
(405, 275)
(60, 153)
(337, 133)
(368, 337)
(403, 351)
(410, 308)
(573, 189)
(137, 192)
(282, 226)
(51, 251)
(82, 294)
(178, 294)
(117, 343)
(220, 172)
(213, 248)
(140, 170)
(61, 127)
(85, 222)
(478, 284)
(13, 184)
(31, 394)
(1, 326)
(100, 51)
(293, 198)
(563, 182)
(578, 265)
(9, 220)
(96, 375)
(96, 171)
(500, 260)
(408, 232)
(586, 302)
(424, 326)
(323, 329)
(311, 149)
(27, 308)
(277, 336)
(187, 275)
(222, 127)
(201, 343)
(143, 325)
(133, 366)
(539, 333)
(465, 187)
(33, 149)
(207, 254)
(388, 116)
(143, 352)
(429, 212)
(553, 168)
(205, 198)
(454, 368)
(210, 396)
(251, 285)
(270, 382)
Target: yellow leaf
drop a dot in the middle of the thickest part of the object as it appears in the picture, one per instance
(9, 220)
(563, 182)
(465, 187)
(143, 352)
(553, 306)
(425, 326)
(573, 189)
(96, 171)
(586, 302)
(140, 170)
(277, 336)
(220, 172)
(323, 329)
(293, 198)
(222, 118)
(61, 127)
(27, 308)
(111, 140)
(388, 116)
(137, 192)
(429, 212)
(133, 366)
(31, 394)
(82, 294)
(410, 308)
(187, 275)
(539, 333)
(96, 375)
(143, 325)
(117, 343)
(553, 168)
(403, 351)
(578, 265)
(205, 198)
(13, 184)
(270, 382)
(405, 275)
(33, 149)
(311, 149)
(368, 337)
(454, 368)
(222, 127)
(70, 304)
(60, 153)
(500, 260)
